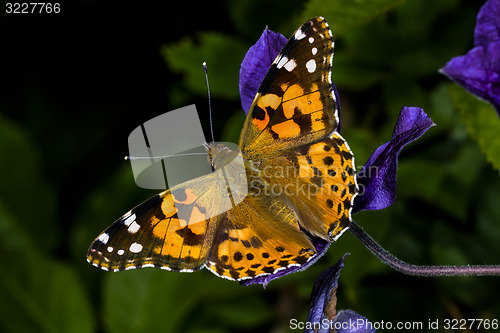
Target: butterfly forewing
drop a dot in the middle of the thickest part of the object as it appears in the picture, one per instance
(173, 230)
(295, 103)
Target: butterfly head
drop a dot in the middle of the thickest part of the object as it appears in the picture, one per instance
(219, 154)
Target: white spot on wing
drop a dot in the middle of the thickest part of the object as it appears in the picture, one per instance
(290, 65)
(311, 40)
(133, 227)
(129, 220)
(135, 248)
(110, 249)
(120, 252)
(311, 66)
(299, 34)
(314, 51)
(281, 62)
(103, 238)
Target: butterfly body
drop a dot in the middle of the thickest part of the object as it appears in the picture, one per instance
(296, 182)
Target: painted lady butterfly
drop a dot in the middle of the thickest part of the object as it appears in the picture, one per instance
(301, 183)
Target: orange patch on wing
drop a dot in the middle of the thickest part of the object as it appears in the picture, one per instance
(199, 227)
(191, 251)
(269, 100)
(261, 123)
(172, 242)
(241, 234)
(197, 217)
(292, 92)
(317, 122)
(167, 205)
(165, 227)
(160, 229)
(287, 129)
(307, 104)
(315, 102)
(317, 148)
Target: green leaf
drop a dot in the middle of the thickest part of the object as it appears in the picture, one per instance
(145, 301)
(38, 294)
(251, 313)
(483, 123)
(347, 15)
(249, 18)
(458, 177)
(154, 300)
(223, 55)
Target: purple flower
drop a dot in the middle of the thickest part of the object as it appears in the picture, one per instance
(478, 71)
(256, 63)
(377, 179)
(323, 314)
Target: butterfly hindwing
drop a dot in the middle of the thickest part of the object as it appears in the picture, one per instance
(318, 181)
(258, 237)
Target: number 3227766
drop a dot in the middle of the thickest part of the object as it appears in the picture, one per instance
(32, 8)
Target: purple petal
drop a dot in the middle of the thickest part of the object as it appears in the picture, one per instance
(323, 297)
(348, 321)
(377, 179)
(478, 72)
(256, 63)
(321, 247)
(488, 23)
(334, 89)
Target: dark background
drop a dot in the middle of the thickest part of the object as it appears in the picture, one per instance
(73, 86)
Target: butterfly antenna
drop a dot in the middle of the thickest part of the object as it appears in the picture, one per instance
(209, 101)
(420, 270)
(135, 158)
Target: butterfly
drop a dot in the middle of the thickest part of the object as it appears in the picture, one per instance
(300, 180)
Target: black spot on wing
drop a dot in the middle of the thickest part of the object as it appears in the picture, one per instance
(237, 256)
(190, 238)
(256, 243)
(258, 113)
